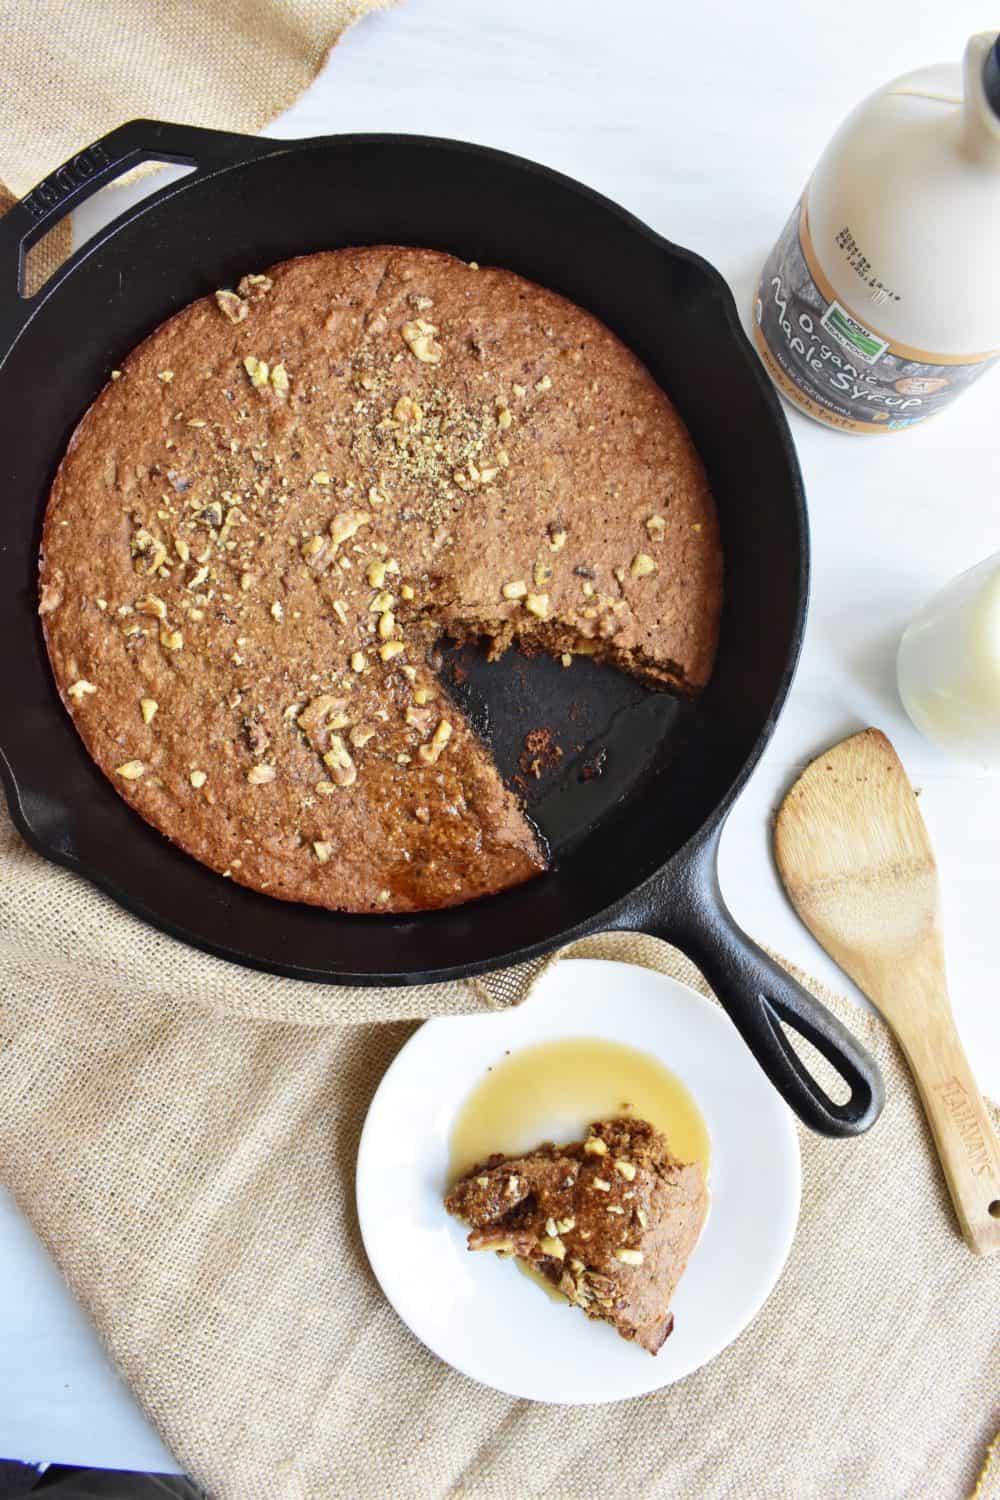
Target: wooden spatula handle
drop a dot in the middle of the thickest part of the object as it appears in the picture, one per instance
(963, 1132)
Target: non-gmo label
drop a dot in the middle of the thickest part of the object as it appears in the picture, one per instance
(853, 335)
(831, 364)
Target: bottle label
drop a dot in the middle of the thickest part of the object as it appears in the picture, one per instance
(831, 363)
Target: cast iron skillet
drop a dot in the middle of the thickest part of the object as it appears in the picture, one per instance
(634, 809)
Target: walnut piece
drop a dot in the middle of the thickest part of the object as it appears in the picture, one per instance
(642, 565)
(79, 690)
(430, 753)
(418, 336)
(52, 593)
(131, 770)
(338, 761)
(257, 369)
(231, 306)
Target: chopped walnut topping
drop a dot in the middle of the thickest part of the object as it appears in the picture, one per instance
(519, 390)
(261, 775)
(625, 1169)
(279, 378)
(642, 1216)
(325, 788)
(377, 570)
(79, 690)
(602, 1185)
(198, 779)
(182, 549)
(504, 418)
(657, 528)
(430, 753)
(165, 375)
(408, 411)
(52, 594)
(424, 695)
(419, 718)
(322, 850)
(360, 735)
(566, 659)
(171, 640)
(151, 605)
(594, 1146)
(389, 649)
(642, 565)
(347, 524)
(256, 737)
(131, 770)
(516, 590)
(148, 552)
(316, 552)
(418, 336)
(545, 384)
(148, 707)
(339, 763)
(538, 604)
(257, 369)
(386, 625)
(557, 538)
(542, 575)
(277, 611)
(358, 661)
(255, 287)
(323, 714)
(552, 1245)
(231, 306)
(320, 477)
(406, 592)
(382, 602)
(629, 1257)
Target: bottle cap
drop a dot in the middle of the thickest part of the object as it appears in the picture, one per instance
(991, 77)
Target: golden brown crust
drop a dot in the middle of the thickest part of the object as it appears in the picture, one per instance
(354, 453)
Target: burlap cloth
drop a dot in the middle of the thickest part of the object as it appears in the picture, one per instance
(182, 1134)
(71, 70)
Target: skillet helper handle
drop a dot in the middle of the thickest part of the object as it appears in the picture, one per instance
(98, 164)
(762, 998)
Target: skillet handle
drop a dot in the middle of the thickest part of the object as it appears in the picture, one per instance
(760, 995)
(100, 163)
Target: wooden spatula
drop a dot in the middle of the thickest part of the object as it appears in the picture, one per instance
(856, 861)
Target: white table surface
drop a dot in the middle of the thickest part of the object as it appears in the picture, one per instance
(704, 120)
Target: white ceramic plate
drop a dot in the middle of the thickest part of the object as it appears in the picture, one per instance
(474, 1310)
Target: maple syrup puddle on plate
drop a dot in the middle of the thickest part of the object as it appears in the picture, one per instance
(554, 1090)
